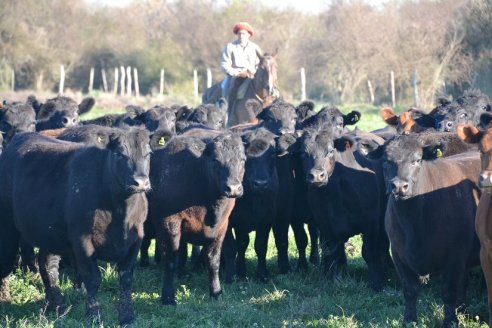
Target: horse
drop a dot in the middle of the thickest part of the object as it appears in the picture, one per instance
(262, 87)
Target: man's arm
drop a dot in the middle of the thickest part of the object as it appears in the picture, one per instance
(226, 61)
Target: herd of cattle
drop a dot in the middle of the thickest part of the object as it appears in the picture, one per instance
(84, 191)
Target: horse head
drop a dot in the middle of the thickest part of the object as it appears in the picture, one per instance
(265, 79)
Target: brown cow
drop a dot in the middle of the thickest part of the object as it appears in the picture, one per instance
(471, 134)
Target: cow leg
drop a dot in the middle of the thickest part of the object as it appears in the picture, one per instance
(91, 277)
(197, 258)
(261, 246)
(213, 254)
(229, 250)
(281, 234)
(157, 253)
(242, 242)
(170, 252)
(486, 263)
(28, 258)
(453, 284)
(48, 269)
(371, 254)
(333, 256)
(301, 243)
(183, 257)
(144, 252)
(9, 243)
(314, 236)
(125, 274)
(411, 288)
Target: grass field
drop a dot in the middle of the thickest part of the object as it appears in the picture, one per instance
(293, 300)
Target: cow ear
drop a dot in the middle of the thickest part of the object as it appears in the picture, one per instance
(351, 118)
(389, 116)
(344, 143)
(46, 109)
(367, 146)
(134, 111)
(86, 105)
(287, 144)
(469, 133)
(432, 152)
(34, 103)
(160, 138)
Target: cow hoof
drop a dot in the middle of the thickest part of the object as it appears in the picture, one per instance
(168, 300)
(216, 295)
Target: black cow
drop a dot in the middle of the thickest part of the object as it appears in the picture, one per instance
(92, 207)
(194, 184)
(16, 117)
(59, 112)
(344, 195)
(208, 115)
(430, 219)
(153, 119)
(256, 210)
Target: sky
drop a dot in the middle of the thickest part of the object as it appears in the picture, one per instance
(306, 6)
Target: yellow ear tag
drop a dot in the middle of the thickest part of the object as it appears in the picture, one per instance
(438, 152)
(162, 141)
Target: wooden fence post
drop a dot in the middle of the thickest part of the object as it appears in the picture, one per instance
(12, 81)
(128, 81)
(303, 84)
(105, 81)
(39, 82)
(115, 85)
(135, 78)
(371, 92)
(161, 85)
(393, 100)
(209, 78)
(61, 86)
(122, 81)
(416, 99)
(195, 82)
(91, 80)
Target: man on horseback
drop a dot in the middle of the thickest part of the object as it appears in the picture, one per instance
(239, 61)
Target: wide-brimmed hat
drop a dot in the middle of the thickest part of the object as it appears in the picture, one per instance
(243, 26)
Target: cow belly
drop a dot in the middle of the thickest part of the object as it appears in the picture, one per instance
(116, 248)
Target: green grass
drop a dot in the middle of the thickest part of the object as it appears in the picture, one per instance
(294, 300)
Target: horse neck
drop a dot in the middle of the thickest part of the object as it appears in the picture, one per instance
(261, 92)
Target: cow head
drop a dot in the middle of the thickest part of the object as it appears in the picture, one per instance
(158, 118)
(411, 120)
(16, 117)
(331, 118)
(60, 112)
(279, 118)
(260, 168)
(226, 160)
(318, 149)
(402, 162)
(210, 116)
(482, 136)
(129, 158)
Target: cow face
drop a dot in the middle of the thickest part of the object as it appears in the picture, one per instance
(472, 134)
(16, 117)
(450, 116)
(402, 162)
(62, 112)
(331, 118)
(159, 118)
(318, 154)
(129, 159)
(474, 102)
(260, 168)
(280, 118)
(412, 120)
(210, 116)
(225, 161)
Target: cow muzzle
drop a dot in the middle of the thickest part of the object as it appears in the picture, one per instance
(234, 191)
(317, 177)
(485, 181)
(140, 184)
(400, 189)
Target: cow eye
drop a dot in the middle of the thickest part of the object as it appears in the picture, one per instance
(416, 162)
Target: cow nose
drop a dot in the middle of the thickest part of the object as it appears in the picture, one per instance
(142, 184)
(485, 180)
(233, 191)
(400, 187)
(316, 176)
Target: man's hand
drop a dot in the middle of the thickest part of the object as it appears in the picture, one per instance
(243, 74)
